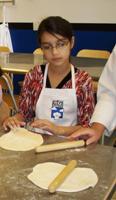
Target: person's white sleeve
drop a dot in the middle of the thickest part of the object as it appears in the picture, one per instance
(105, 110)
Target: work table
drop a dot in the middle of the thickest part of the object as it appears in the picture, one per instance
(15, 166)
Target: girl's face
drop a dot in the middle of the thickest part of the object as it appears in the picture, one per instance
(56, 48)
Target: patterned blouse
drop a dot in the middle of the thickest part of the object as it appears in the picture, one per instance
(33, 84)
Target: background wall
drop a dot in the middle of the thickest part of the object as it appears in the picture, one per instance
(76, 11)
(94, 22)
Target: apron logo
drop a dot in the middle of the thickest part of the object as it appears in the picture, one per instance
(57, 109)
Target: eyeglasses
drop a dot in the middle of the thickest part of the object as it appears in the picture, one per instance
(60, 45)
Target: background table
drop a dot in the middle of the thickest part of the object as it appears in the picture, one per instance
(21, 63)
(15, 166)
(93, 66)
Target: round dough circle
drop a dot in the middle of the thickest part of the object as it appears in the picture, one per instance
(79, 179)
(20, 139)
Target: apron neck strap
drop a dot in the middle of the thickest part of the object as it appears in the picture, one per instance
(45, 75)
(72, 76)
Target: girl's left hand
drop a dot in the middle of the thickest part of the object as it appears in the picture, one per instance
(47, 126)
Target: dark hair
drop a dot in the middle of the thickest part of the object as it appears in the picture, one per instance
(55, 25)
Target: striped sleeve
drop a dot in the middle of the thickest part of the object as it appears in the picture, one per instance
(30, 92)
(85, 97)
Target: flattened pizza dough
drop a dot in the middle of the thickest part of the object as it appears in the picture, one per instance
(79, 179)
(20, 139)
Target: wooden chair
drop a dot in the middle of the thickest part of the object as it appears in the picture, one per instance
(8, 92)
(4, 49)
(38, 51)
(38, 56)
(92, 53)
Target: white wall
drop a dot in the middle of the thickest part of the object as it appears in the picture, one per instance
(76, 11)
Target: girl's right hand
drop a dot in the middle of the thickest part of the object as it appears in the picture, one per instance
(12, 122)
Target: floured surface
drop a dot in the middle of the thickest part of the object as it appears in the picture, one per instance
(20, 139)
(80, 179)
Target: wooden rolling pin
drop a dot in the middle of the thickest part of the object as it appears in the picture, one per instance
(59, 146)
(62, 176)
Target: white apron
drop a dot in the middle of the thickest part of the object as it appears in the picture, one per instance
(58, 105)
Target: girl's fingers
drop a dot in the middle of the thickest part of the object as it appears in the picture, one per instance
(11, 123)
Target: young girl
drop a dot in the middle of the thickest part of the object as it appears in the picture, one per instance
(58, 97)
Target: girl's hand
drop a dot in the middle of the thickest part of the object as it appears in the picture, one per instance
(47, 126)
(12, 122)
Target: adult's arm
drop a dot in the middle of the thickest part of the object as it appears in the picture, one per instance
(105, 110)
(91, 134)
(104, 116)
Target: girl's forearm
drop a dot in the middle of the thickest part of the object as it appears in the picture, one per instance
(66, 131)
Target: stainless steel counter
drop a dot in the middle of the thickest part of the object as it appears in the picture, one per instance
(15, 166)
